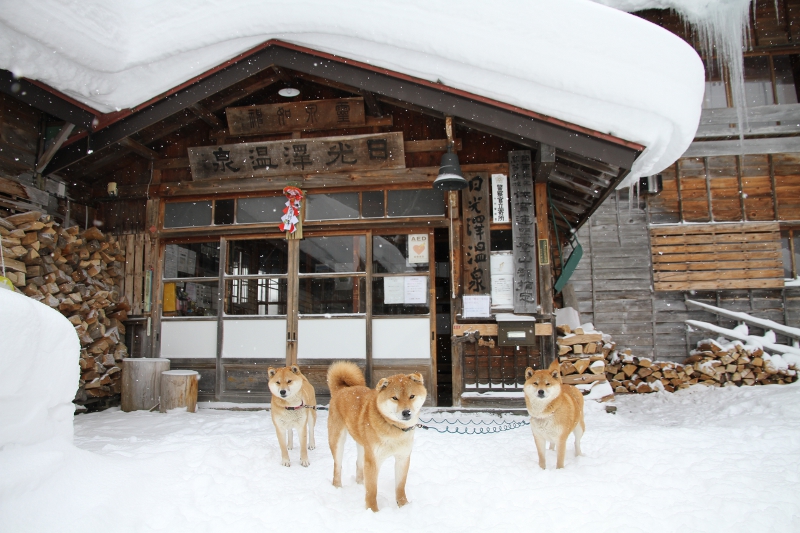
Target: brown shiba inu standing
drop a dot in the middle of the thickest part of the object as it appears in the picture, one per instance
(293, 403)
(556, 411)
(380, 420)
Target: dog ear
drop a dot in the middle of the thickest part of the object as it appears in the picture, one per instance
(296, 369)
(382, 384)
(416, 376)
(528, 373)
(555, 369)
(270, 372)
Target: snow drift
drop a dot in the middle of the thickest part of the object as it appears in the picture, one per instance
(39, 372)
(575, 60)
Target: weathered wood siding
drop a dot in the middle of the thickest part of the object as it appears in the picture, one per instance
(19, 136)
(613, 287)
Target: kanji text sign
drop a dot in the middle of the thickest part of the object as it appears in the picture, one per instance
(298, 156)
(296, 116)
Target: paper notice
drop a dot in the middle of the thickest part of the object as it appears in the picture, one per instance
(393, 290)
(477, 306)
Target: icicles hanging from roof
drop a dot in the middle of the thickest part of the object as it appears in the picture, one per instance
(723, 33)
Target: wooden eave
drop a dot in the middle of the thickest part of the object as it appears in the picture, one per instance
(590, 164)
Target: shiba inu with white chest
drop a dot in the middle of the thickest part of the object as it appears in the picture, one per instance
(380, 420)
(293, 407)
(556, 411)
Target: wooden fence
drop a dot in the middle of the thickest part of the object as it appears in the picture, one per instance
(140, 257)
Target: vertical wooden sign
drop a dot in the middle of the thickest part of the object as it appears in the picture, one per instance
(523, 231)
(476, 243)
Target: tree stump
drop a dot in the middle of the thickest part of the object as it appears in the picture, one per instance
(179, 389)
(141, 382)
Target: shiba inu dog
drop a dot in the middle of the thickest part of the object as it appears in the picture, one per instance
(556, 411)
(380, 420)
(293, 407)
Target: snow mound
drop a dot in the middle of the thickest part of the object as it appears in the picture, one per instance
(574, 60)
(39, 372)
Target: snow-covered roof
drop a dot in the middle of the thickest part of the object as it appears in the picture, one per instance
(574, 60)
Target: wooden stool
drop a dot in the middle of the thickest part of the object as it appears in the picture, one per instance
(179, 389)
(141, 382)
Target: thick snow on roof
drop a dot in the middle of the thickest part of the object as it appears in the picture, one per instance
(575, 60)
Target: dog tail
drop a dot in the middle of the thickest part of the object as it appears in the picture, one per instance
(344, 374)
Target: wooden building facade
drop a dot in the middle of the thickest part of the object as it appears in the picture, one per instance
(382, 268)
(724, 226)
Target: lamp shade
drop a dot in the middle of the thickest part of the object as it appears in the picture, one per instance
(450, 177)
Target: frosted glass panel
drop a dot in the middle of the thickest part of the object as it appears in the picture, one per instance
(263, 339)
(189, 339)
(401, 338)
(340, 338)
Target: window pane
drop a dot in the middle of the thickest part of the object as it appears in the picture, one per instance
(187, 214)
(388, 295)
(200, 259)
(757, 81)
(185, 298)
(223, 212)
(416, 203)
(784, 80)
(254, 210)
(332, 206)
(390, 255)
(260, 256)
(262, 296)
(372, 204)
(345, 253)
(318, 296)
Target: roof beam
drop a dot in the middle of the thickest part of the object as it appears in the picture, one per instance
(207, 116)
(140, 149)
(544, 162)
(48, 154)
(25, 91)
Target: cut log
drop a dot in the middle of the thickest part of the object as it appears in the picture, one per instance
(141, 382)
(179, 389)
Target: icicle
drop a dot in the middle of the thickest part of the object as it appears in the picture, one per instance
(723, 32)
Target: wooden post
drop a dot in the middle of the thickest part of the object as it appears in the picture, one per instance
(458, 367)
(545, 272)
(179, 389)
(141, 383)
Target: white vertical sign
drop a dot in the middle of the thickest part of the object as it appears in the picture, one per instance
(500, 198)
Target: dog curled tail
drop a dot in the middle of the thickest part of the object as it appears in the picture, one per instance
(344, 374)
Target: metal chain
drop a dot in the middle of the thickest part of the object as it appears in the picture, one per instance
(483, 427)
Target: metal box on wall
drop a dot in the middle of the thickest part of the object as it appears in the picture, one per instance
(516, 333)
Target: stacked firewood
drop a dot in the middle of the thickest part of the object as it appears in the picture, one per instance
(582, 356)
(79, 274)
(593, 356)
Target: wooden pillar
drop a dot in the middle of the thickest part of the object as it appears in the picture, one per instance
(456, 355)
(545, 272)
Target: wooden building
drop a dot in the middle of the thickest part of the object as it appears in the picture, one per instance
(381, 268)
(724, 226)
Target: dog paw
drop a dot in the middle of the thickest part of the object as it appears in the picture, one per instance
(311, 446)
(304, 462)
(286, 462)
(401, 503)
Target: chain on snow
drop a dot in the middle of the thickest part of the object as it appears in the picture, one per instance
(482, 427)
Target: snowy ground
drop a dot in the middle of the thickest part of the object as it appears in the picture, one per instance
(697, 460)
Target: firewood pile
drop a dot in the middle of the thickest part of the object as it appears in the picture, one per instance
(593, 356)
(79, 274)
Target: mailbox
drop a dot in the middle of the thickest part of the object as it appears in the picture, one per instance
(513, 330)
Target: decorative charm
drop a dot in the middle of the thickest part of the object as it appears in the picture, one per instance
(291, 219)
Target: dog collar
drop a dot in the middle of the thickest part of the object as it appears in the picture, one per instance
(405, 429)
(295, 408)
